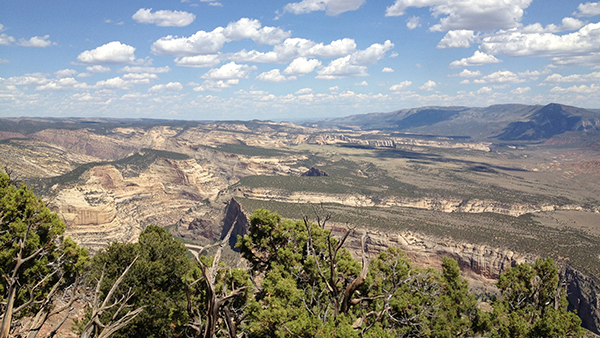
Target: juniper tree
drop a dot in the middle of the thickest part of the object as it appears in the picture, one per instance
(37, 263)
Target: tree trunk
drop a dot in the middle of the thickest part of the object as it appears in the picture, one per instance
(212, 317)
(7, 319)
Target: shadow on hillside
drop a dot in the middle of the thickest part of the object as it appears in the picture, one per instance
(426, 158)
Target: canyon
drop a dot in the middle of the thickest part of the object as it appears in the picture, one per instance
(489, 203)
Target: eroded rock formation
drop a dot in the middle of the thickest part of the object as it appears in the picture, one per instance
(434, 204)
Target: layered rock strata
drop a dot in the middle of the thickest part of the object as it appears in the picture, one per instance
(434, 204)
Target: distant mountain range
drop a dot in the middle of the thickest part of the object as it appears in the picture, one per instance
(507, 122)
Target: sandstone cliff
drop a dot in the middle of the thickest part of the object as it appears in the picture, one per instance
(426, 203)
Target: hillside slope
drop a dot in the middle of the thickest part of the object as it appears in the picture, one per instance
(508, 122)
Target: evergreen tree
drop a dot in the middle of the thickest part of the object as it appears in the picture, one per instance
(36, 262)
(155, 283)
(533, 304)
(311, 286)
(217, 295)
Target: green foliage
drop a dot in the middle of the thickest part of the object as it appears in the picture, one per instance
(34, 255)
(24, 217)
(230, 294)
(413, 302)
(301, 282)
(297, 296)
(533, 304)
(310, 288)
(156, 280)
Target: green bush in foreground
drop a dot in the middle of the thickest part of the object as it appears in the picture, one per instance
(533, 304)
(37, 263)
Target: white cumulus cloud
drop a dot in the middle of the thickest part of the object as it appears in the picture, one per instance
(429, 85)
(246, 28)
(462, 38)
(341, 68)
(588, 9)
(97, 69)
(171, 86)
(164, 18)
(568, 24)
(467, 14)
(401, 86)
(63, 84)
(334, 49)
(216, 86)
(6, 39)
(211, 42)
(274, 76)
(594, 76)
(467, 73)
(144, 69)
(502, 76)
(199, 43)
(413, 22)
(331, 7)
(355, 64)
(387, 70)
(139, 78)
(578, 48)
(293, 48)
(229, 71)
(113, 52)
(65, 73)
(36, 41)
(115, 83)
(301, 65)
(520, 90)
(198, 61)
(27, 79)
(583, 89)
(478, 59)
(304, 91)
(484, 90)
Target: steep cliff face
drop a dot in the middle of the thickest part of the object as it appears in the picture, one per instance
(434, 204)
(234, 217)
(109, 207)
(584, 297)
(480, 261)
(357, 138)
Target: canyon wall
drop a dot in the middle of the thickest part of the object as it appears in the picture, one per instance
(426, 203)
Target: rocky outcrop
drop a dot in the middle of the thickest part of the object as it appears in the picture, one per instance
(358, 138)
(202, 228)
(234, 217)
(314, 172)
(426, 203)
(382, 143)
(108, 207)
(477, 260)
(583, 297)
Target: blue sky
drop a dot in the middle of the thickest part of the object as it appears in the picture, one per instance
(282, 60)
